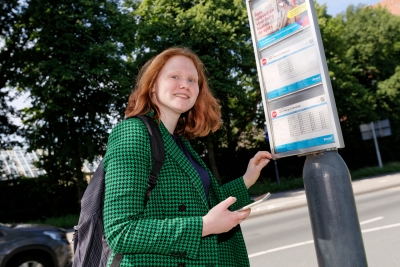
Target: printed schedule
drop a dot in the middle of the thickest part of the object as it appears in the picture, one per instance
(302, 125)
(290, 69)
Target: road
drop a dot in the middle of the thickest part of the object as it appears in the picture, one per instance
(279, 232)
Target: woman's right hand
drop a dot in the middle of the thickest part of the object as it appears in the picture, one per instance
(220, 220)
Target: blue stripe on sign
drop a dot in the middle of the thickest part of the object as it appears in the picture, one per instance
(294, 86)
(288, 55)
(291, 28)
(300, 110)
(322, 140)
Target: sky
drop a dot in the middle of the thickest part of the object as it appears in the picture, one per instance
(335, 7)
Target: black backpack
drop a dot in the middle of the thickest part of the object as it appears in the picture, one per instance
(90, 246)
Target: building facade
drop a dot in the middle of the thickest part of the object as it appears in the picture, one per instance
(393, 6)
(18, 162)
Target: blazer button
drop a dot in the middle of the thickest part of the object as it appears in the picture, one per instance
(182, 207)
(182, 264)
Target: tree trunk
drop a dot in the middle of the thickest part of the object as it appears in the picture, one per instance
(80, 181)
(211, 157)
(77, 162)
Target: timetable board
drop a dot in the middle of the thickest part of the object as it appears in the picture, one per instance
(298, 101)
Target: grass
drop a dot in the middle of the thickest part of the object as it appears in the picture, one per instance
(66, 222)
(374, 171)
(259, 188)
(262, 187)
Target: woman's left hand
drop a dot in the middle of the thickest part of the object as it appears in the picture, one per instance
(256, 164)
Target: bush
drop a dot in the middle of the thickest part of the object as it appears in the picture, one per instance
(264, 185)
(66, 222)
(25, 199)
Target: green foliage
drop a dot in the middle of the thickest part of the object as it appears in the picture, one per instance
(66, 222)
(362, 51)
(77, 60)
(36, 199)
(74, 70)
(372, 38)
(285, 185)
(292, 183)
(388, 168)
(219, 33)
(7, 128)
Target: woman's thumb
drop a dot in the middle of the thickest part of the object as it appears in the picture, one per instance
(228, 202)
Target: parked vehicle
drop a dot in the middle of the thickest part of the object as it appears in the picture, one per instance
(23, 245)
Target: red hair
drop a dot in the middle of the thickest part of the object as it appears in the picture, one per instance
(202, 118)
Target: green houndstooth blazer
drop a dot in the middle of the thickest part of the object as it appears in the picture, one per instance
(167, 232)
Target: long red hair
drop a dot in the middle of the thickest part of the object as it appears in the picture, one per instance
(198, 121)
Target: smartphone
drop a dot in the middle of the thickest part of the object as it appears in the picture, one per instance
(255, 203)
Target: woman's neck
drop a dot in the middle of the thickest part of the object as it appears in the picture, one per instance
(170, 121)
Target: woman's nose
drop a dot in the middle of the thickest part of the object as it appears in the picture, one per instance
(184, 84)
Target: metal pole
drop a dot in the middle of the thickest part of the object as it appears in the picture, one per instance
(277, 173)
(333, 214)
(378, 154)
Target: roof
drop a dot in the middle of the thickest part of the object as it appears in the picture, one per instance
(393, 6)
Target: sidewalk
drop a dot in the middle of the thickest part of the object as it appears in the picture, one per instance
(297, 198)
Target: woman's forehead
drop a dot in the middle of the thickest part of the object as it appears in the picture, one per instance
(180, 63)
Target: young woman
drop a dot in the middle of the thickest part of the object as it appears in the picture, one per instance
(189, 219)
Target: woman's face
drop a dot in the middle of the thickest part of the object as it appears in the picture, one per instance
(281, 4)
(176, 87)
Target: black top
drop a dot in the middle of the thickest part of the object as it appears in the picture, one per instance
(205, 177)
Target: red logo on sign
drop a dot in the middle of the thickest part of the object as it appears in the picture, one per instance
(274, 114)
(264, 61)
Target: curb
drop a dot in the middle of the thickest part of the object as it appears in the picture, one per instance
(297, 198)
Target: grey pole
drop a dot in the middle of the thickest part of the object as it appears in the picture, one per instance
(378, 154)
(333, 214)
(277, 173)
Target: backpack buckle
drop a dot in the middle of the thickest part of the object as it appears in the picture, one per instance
(152, 179)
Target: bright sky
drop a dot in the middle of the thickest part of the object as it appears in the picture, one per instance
(335, 7)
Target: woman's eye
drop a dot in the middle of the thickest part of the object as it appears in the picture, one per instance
(174, 77)
(192, 80)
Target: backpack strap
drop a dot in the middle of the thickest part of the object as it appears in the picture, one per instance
(157, 153)
(158, 156)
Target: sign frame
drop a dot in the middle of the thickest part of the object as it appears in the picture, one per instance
(312, 30)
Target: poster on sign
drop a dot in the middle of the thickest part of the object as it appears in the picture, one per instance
(276, 19)
(290, 67)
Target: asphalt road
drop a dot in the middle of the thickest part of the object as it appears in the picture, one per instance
(279, 231)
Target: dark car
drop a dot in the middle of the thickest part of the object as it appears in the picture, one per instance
(34, 245)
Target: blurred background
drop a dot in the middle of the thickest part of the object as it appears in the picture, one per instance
(67, 68)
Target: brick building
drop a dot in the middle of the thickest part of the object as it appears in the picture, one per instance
(393, 6)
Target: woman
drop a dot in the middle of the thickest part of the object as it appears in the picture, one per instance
(283, 9)
(188, 220)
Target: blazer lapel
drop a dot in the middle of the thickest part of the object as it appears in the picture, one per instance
(176, 154)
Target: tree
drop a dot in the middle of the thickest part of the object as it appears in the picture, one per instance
(355, 104)
(7, 51)
(75, 69)
(372, 37)
(373, 56)
(219, 33)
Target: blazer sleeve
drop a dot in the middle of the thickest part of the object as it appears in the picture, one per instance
(127, 164)
(237, 189)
